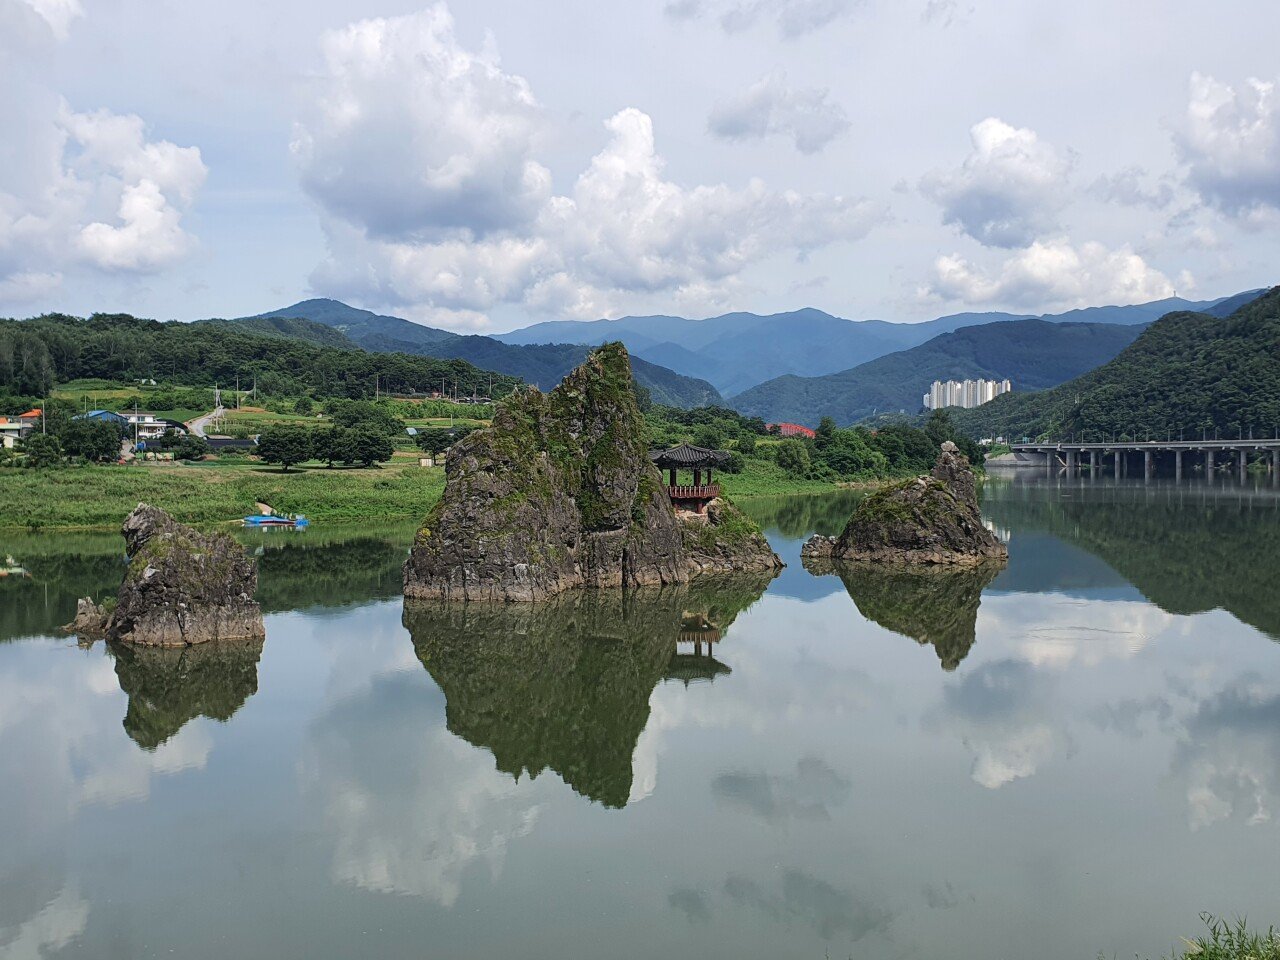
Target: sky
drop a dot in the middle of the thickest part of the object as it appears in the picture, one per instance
(480, 166)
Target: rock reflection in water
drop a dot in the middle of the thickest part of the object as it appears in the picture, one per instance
(931, 604)
(565, 684)
(168, 687)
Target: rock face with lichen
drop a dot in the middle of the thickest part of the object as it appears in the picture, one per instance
(181, 588)
(933, 519)
(560, 493)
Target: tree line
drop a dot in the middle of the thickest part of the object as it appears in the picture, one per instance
(35, 354)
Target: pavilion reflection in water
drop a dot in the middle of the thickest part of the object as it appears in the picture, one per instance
(565, 685)
(694, 658)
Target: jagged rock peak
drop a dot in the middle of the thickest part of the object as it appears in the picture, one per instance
(931, 519)
(558, 493)
(181, 587)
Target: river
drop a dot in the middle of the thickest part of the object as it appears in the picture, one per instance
(1077, 754)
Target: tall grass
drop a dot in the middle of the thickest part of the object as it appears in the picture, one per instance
(1228, 941)
(100, 496)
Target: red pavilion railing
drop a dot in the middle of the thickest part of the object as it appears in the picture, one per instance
(689, 491)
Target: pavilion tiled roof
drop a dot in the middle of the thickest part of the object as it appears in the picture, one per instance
(688, 457)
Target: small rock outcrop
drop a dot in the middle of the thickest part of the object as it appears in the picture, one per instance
(181, 588)
(560, 493)
(933, 519)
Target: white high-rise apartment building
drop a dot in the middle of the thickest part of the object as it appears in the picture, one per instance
(964, 393)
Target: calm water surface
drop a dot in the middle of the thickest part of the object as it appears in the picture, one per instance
(1076, 754)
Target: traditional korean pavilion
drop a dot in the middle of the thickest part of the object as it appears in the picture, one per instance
(696, 460)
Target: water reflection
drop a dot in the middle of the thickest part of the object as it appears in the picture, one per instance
(168, 687)
(933, 605)
(1188, 547)
(565, 685)
(296, 571)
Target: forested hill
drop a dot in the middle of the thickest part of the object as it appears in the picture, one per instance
(36, 353)
(1187, 373)
(544, 365)
(1034, 354)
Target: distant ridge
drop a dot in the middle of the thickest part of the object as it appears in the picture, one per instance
(1187, 372)
(737, 351)
(1034, 354)
(542, 365)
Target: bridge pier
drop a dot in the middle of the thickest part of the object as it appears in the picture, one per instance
(1093, 462)
(1071, 463)
(1244, 464)
(1275, 468)
(1177, 464)
(1119, 461)
(1208, 463)
(1146, 464)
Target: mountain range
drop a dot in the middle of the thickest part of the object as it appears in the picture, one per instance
(544, 365)
(1034, 354)
(1188, 373)
(737, 351)
(797, 366)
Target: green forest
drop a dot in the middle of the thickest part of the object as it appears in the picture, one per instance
(35, 354)
(1189, 375)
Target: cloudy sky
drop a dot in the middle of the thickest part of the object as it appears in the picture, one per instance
(483, 165)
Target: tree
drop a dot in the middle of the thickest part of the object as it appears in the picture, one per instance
(94, 440)
(285, 444)
(303, 406)
(747, 444)
(335, 445)
(42, 450)
(371, 447)
(437, 441)
(708, 436)
(793, 457)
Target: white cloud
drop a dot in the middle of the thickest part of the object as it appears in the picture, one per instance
(82, 189)
(771, 108)
(58, 14)
(1231, 146)
(492, 232)
(792, 18)
(1008, 190)
(414, 137)
(1129, 188)
(1052, 273)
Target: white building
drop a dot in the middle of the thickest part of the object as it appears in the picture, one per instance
(964, 393)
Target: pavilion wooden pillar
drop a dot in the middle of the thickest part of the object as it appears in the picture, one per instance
(673, 476)
(697, 477)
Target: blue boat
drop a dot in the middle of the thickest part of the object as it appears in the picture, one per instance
(271, 520)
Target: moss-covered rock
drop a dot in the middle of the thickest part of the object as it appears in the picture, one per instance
(558, 493)
(181, 587)
(931, 519)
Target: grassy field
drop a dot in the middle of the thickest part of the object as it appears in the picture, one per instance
(216, 492)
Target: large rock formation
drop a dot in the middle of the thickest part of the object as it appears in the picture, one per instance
(181, 588)
(931, 519)
(560, 493)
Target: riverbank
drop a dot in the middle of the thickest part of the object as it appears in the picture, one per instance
(99, 497)
(213, 492)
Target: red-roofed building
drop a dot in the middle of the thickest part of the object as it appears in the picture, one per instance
(791, 430)
(35, 414)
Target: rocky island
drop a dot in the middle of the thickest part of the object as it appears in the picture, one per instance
(181, 588)
(560, 493)
(932, 519)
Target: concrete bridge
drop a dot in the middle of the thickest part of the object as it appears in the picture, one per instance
(1145, 458)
